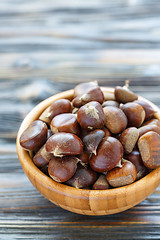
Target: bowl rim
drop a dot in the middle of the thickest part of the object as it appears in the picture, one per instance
(30, 168)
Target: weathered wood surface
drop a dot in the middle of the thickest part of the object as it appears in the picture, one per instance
(49, 46)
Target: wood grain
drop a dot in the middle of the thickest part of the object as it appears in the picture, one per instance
(47, 47)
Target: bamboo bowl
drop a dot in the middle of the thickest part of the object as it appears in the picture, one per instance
(83, 201)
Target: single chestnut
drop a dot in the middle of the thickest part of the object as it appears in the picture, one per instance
(83, 177)
(148, 128)
(109, 154)
(91, 116)
(34, 136)
(122, 176)
(129, 139)
(149, 111)
(65, 122)
(42, 157)
(62, 169)
(115, 119)
(61, 144)
(82, 88)
(56, 108)
(152, 121)
(136, 159)
(149, 147)
(92, 140)
(124, 95)
(94, 94)
(111, 103)
(101, 183)
(135, 114)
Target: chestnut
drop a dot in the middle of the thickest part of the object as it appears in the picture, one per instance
(34, 136)
(149, 111)
(82, 88)
(111, 103)
(42, 157)
(94, 94)
(64, 144)
(65, 122)
(152, 121)
(92, 140)
(149, 147)
(101, 183)
(57, 107)
(129, 139)
(83, 177)
(91, 116)
(135, 114)
(136, 159)
(125, 175)
(62, 169)
(148, 128)
(124, 95)
(115, 119)
(109, 154)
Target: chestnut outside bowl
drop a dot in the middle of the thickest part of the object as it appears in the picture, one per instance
(83, 201)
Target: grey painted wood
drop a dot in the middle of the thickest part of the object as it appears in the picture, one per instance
(50, 46)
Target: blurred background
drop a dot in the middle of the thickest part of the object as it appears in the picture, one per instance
(50, 46)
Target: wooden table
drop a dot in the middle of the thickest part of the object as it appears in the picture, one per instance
(47, 47)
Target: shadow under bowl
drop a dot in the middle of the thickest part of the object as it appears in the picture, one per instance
(83, 201)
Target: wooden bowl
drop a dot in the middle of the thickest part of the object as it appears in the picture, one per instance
(83, 201)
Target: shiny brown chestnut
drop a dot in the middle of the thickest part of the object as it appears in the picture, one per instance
(82, 88)
(124, 95)
(148, 128)
(115, 119)
(83, 177)
(57, 107)
(62, 169)
(111, 103)
(34, 136)
(149, 111)
(91, 116)
(136, 159)
(42, 157)
(65, 122)
(109, 154)
(135, 114)
(92, 140)
(149, 147)
(152, 121)
(122, 176)
(101, 183)
(94, 94)
(129, 139)
(61, 144)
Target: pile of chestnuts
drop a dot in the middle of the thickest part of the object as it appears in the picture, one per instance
(93, 142)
